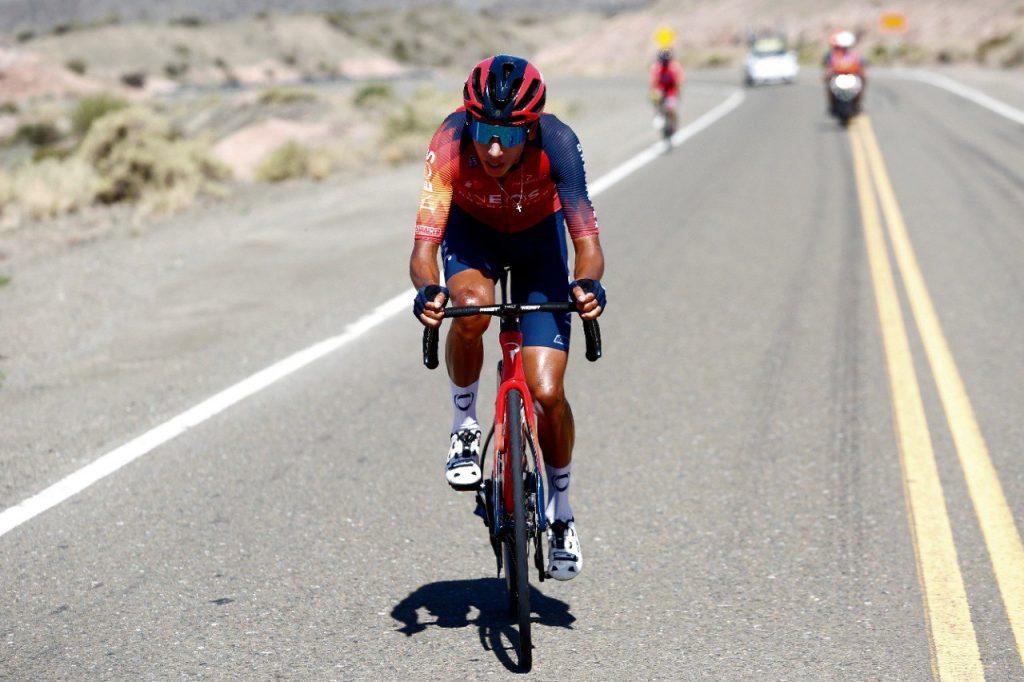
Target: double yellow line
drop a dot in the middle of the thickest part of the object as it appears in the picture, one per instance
(954, 646)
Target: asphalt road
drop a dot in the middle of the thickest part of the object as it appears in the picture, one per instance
(745, 499)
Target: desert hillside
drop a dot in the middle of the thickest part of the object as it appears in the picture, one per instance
(204, 96)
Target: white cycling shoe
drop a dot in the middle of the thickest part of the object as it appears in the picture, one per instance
(462, 470)
(565, 559)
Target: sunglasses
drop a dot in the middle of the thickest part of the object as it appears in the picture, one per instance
(508, 136)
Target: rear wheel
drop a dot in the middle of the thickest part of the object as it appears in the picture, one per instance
(517, 545)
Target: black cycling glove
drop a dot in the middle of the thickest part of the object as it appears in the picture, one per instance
(424, 295)
(591, 286)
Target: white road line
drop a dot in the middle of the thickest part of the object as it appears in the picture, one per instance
(107, 464)
(658, 148)
(977, 96)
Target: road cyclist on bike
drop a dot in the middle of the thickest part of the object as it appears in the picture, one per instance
(667, 78)
(504, 182)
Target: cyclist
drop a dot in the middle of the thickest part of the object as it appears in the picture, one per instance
(503, 182)
(843, 57)
(667, 78)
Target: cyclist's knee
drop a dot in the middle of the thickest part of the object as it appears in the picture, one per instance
(549, 396)
(471, 327)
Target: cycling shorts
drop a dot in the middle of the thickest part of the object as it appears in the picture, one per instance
(538, 263)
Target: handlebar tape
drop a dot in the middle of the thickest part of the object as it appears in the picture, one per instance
(430, 336)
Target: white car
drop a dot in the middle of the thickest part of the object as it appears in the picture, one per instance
(770, 62)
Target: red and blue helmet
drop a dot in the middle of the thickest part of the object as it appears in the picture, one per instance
(505, 89)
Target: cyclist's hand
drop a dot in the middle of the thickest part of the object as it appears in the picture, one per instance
(428, 307)
(590, 297)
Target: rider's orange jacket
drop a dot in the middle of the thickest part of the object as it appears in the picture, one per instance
(667, 78)
(844, 61)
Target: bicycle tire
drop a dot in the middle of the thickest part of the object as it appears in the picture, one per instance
(517, 568)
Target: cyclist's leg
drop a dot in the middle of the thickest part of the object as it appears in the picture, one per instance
(464, 348)
(467, 275)
(545, 374)
(466, 254)
(672, 110)
(540, 272)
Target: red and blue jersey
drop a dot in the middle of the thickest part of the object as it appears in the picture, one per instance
(548, 178)
(667, 78)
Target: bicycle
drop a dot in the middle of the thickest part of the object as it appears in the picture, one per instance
(663, 120)
(511, 501)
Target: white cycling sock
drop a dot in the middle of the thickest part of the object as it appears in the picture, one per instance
(558, 507)
(463, 405)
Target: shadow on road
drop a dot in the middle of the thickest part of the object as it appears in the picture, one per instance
(449, 603)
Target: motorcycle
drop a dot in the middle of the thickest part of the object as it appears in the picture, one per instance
(846, 89)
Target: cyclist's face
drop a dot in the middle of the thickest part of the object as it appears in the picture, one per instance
(497, 160)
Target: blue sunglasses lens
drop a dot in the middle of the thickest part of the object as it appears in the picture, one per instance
(508, 136)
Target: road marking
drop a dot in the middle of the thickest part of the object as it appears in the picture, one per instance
(994, 515)
(952, 640)
(977, 96)
(658, 148)
(107, 464)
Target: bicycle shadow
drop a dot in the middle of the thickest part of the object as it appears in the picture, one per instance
(450, 601)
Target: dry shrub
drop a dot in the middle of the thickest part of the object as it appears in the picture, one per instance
(50, 188)
(38, 133)
(373, 94)
(91, 108)
(6, 190)
(282, 96)
(291, 161)
(406, 132)
(140, 157)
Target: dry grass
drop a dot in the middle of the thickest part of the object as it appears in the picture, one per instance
(282, 96)
(128, 155)
(406, 131)
(292, 161)
(140, 157)
(91, 108)
(48, 189)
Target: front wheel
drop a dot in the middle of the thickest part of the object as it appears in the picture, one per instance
(517, 542)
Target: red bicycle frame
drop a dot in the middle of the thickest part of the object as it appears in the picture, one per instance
(513, 376)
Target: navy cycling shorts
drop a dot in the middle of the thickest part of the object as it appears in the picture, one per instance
(538, 264)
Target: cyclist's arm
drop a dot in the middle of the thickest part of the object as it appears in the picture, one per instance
(589, 257)
(423, 269)
(566, 155)
(440, 167)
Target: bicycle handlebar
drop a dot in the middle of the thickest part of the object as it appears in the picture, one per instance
(591, 329)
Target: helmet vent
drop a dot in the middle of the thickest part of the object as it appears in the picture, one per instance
(539, 106)
(476, 84)
(531, 92)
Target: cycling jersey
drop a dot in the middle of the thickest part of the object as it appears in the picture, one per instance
(667, 78)
(516, 221)
(548, 178)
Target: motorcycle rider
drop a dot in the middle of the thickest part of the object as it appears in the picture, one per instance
(667, 78)
(843, 57)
